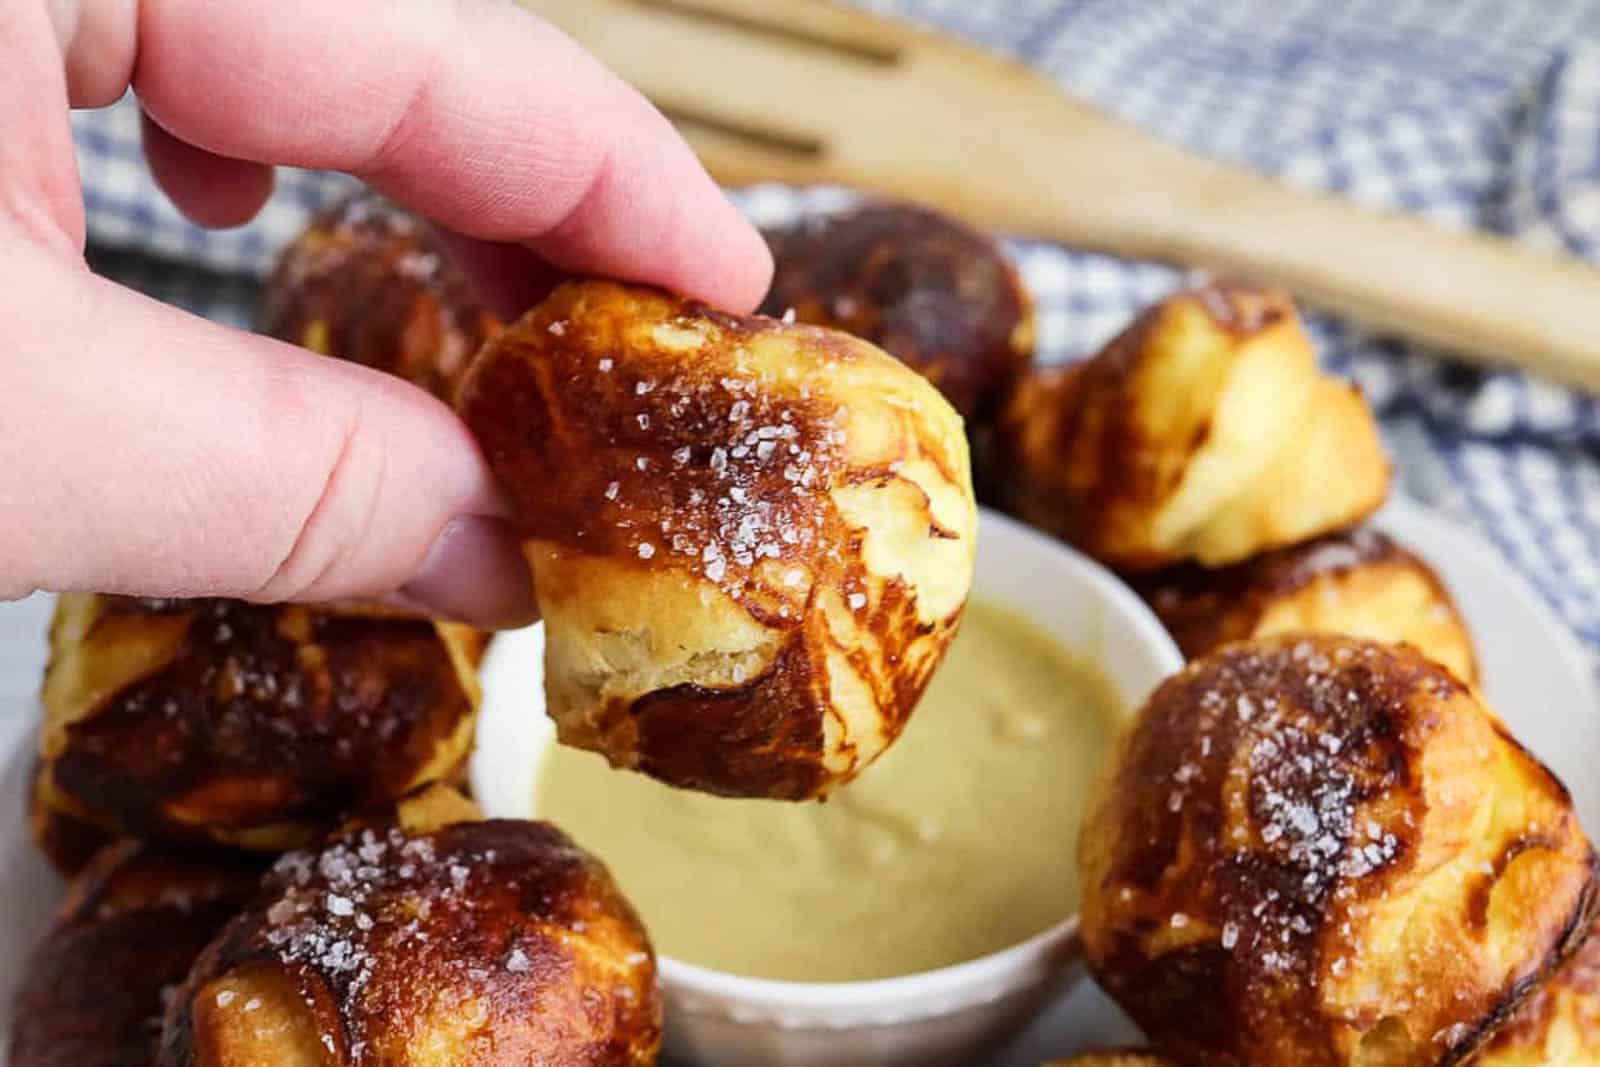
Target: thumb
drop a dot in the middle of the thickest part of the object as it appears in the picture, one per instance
(147, 451)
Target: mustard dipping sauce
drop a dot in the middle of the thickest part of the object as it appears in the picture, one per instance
(959, 841)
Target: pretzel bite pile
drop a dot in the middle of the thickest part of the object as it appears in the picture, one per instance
(751, 541)
(131, 925)
(431, 938)
(1321, 850)
(245, 725)
(369, 282)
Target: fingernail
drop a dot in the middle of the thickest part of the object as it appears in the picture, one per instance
(475, 573)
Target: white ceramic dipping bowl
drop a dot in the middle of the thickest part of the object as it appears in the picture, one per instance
(949, 1015)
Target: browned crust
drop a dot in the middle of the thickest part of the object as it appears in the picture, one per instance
(131, 925)
(1204, 608)
(660, 450)
(66, 841)
(501, 939)
(1268, 795)
(266, 717)
(751, 737)
(369, 282)
(935, 293)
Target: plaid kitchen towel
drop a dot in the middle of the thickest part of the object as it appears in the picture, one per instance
(1470, 112)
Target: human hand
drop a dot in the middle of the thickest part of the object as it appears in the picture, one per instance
(144, 450)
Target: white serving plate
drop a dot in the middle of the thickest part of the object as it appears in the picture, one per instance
(1535, 673)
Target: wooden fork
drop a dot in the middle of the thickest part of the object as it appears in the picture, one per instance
(808, 92)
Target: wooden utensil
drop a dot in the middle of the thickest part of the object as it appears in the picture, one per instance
(808, 92)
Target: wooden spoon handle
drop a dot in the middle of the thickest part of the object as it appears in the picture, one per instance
(1474, 294)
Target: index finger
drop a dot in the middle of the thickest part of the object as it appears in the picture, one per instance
(474, 112)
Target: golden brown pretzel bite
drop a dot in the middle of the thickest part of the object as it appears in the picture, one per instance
(67, 840)
(1358, 583)
(247, 725)
(1203, 432)
(1320, 850)
(431, 941)
(751, 541)
(1559, 1024)
(131, 925)
(927, 289)
(369, 282)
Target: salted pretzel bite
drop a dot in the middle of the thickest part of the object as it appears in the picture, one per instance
(751, 541)
(369, 282)
(434, 938)
(246, 725)
(927, 289)
(1203, 432)
(130, 927)
(1359, 582)
(1314, 849)
(1559, 1024)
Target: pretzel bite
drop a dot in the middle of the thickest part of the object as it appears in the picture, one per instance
(1322, 850)
(67, 841)
(130, 927)
(246, 725)
(929, 290)
(751, 541)
(369, 282)
(1203, 432)
(435, 939)
(1359, 583)
(1559, 1024)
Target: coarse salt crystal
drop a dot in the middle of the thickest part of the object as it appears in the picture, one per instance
(857, 601)
(646, 550)
(612, 490)
(606, 365)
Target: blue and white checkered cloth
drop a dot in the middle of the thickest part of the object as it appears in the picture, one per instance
(1470, 112)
